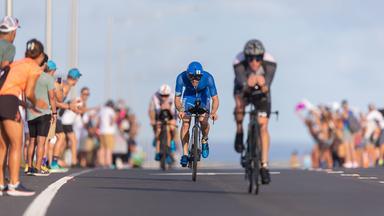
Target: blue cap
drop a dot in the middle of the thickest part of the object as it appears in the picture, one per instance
(74, 73)
(51, 65)
(195, 68)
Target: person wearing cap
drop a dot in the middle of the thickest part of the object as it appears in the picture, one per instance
(8, 27)
(163, 100)
(192, 85)
(62, 89)
(21, 79)
(39, 122)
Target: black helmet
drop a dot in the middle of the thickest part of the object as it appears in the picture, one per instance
(254, 47)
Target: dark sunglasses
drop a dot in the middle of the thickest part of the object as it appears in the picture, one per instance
(258, 58)
(194, 77)
(164, 96)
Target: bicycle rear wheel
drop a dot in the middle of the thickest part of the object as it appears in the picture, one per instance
(195, 147)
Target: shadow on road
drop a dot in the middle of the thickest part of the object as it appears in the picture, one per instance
(172, 190)
(136, 178)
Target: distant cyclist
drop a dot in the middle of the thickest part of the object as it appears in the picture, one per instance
(254, 71)
(191, 85)
(163, 99)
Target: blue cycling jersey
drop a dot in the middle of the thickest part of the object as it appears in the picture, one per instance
(204, 90)
(206, 86)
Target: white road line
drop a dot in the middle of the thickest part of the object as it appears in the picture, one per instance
(368, 178)
(381, 182)
(205, 174)
(350, 175)
(40, 204)
(335, 172)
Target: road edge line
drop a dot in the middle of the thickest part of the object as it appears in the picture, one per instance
(40, 204)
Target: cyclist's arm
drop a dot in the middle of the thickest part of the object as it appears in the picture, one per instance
(151, 112)
(179, 104)
(215, 104)
(270, 66)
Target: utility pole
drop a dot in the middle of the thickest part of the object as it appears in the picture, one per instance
(73, 43)
(48, 28)
(9, 7)
(108, 63)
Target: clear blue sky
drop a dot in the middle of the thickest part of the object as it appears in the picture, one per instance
(326, 51)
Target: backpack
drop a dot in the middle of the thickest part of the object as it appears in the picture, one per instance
(353, 122)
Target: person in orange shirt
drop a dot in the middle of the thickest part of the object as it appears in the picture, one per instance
(21, 79)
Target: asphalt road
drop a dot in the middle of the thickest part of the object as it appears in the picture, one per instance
(216, 192)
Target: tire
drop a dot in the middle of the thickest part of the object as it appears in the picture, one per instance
(257, 158)
(251, 170)
(195, 147)
(163, 147)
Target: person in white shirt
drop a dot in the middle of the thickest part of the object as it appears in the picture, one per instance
(68, 119)
(107, 126)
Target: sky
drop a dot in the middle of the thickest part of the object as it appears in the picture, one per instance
(326, 51)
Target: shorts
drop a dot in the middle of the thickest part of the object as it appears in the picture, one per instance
(39, 126)
(107, 141)
(189, 102)
(68, 129)
(262, 104)
(59, 126)
(9, 108)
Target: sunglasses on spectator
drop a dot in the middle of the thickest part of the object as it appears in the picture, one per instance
(167, 95)
(258, 58)
(194, 77)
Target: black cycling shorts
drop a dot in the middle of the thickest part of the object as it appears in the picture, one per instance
(9, 107)
(39, 126)
(263, 105)
(59, 126)
(68, 129)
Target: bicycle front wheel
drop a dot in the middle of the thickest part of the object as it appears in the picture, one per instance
(195, 154)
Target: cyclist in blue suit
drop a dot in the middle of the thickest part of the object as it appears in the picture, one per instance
(191, 85)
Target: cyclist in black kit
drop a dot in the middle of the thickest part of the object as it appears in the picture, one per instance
(254, 71)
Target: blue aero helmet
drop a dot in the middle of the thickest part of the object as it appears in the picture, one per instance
(195, 69)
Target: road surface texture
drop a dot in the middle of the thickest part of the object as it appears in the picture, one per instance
(216, 192)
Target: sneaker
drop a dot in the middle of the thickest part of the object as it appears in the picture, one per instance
(26, 168)
(157, 157)
(348, 165)
(173, 146)
(381, 162)
(3, 190)
(239, 145)
(205, 148)
(169, 159)
(45, 168)
(265, 176)
(19, 190)
(56, 168)
(184, 160)
(31, 171)
(40, 173)
(244, 161)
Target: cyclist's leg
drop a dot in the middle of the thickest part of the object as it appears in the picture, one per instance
(264, 133)
(239, 112)
(157, 136)
(264, 110)
(184, 134)
(239, 117)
